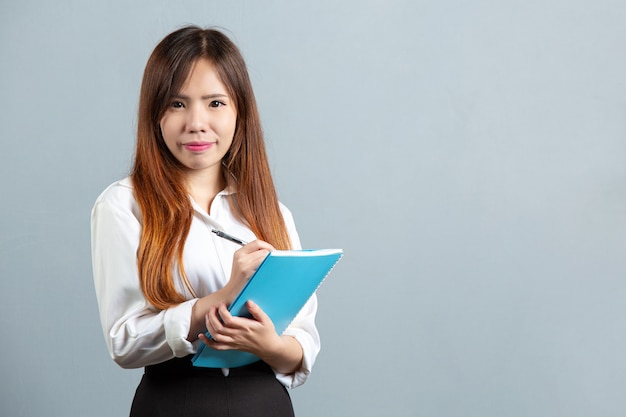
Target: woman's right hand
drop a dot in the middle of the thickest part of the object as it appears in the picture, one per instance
(245, 261)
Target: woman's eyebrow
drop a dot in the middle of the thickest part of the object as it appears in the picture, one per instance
(205, 97)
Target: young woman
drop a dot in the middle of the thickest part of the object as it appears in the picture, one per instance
(162, 277)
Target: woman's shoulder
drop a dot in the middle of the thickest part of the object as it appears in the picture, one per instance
(284, 210)
(290, 224)
(120, 193)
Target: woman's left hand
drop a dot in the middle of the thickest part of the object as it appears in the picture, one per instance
(256, 335)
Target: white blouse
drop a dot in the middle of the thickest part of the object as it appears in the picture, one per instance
(136, 333)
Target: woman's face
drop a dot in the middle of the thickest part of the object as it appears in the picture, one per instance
(199, 123)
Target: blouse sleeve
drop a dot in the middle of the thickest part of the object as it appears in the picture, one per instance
(136, 333)
(303, 327)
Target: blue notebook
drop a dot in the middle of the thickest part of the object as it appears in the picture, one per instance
(281, 286)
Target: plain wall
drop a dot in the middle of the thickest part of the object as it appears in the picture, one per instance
(468, 156)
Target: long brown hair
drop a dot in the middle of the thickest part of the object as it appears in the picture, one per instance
(159, 178)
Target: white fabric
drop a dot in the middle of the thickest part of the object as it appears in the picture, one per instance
(136, 333)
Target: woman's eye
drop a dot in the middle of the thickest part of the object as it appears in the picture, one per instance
(177, 105)
(216, 103)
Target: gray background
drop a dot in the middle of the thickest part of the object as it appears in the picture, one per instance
(467, 155)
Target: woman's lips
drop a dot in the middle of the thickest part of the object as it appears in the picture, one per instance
(198, 146)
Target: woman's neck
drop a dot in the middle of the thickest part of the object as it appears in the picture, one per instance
(203, 186)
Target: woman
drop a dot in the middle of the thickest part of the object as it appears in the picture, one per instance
(162, 277)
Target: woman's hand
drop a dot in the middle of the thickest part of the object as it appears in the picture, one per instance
(246, 260)
(255, 335)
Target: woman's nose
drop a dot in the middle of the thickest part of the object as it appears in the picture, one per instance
(197, 119)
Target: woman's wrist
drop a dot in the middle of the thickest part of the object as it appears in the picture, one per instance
(202, 307)
(285, 355)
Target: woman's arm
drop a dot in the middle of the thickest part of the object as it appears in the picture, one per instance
(136, 333)
(245, 261)
(292, 355)
(257, 335)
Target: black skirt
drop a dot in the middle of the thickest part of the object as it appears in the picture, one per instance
(177, 388)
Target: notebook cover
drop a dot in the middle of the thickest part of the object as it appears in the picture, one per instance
(281, 285)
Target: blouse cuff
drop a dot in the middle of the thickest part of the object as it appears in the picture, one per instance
(309, 352)
(177, 323)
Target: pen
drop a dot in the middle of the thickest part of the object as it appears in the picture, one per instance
(229, 237)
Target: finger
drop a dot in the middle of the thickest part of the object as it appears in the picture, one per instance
(208, 337)
(253, 258)
(248, 261)
(257, 245)
(213, 344)
(214, 323)
(204, 339)
(224, 315)
(257, 312)
(232, 324)
(223, 322)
